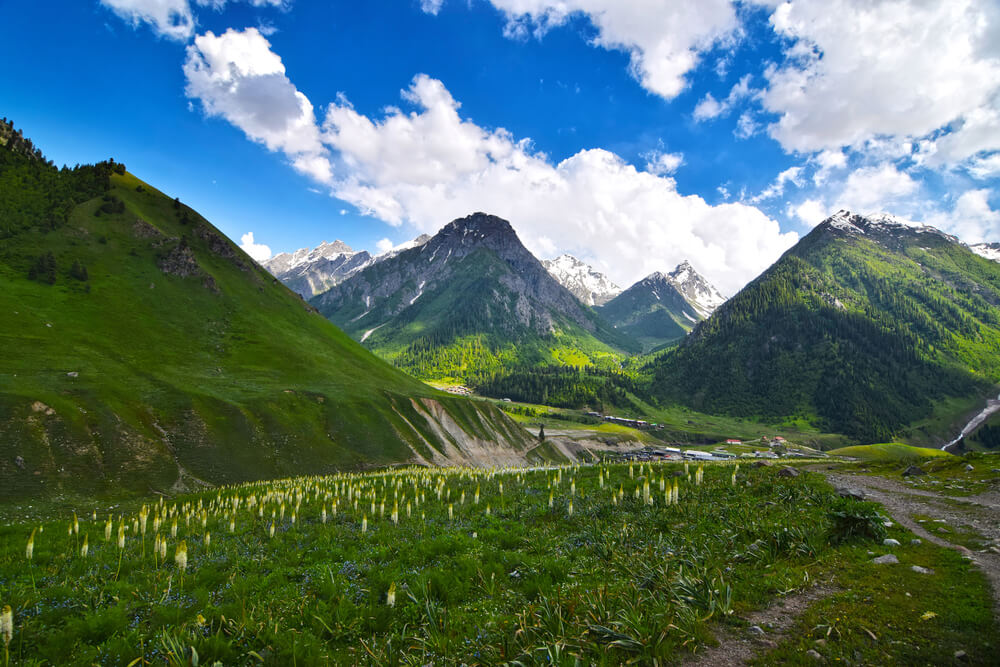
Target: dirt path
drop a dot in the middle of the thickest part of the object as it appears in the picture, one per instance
(980, 513)
(767, 628)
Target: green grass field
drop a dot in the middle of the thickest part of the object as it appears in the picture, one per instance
(591, 565)
(890, 452)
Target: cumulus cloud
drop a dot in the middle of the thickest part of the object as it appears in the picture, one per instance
(876, 189)
(171, 18)
(858, 70)
(383, 246)
(663, 43)
(238, 77)
(258, 251)
(430, 165)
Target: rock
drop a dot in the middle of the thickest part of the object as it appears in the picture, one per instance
(916, 541)
(961, 655)
(889, 542)
(788, 471)
(921, 570)
(756, 629)
(73, 374)
(888, 559)
(814, 655)
(19, 462)
(846, 492)
(762, 464)
(913, 471)
(820, 642)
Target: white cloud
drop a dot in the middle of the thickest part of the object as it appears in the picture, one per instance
(972, 220)
(431, 6)
(171, 18)
(875, 189)
(429, 166)
(383, 246)
(238, 77)
(862, 70)
(258, 251)
(663, 43)
(810, 212)
(985, 167)
(827, 161)
(746, 126)
(791, 175)
(663, 164)
(709, 107)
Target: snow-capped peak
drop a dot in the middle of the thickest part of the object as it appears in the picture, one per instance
(697, 291)
(285, 262)
(589, 286)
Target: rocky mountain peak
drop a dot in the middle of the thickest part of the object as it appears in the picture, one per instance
(588, 285)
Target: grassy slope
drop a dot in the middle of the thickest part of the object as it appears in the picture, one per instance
(606, 583)
(891, 451)
(245, 380)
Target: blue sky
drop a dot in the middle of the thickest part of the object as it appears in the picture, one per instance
(631, 133)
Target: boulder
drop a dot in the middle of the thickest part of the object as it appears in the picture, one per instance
(889, 542)
(921, 570)
(788, 471)
(913, 471)
(762, 464)
(968, 467)
(847, 492)
(888, 559)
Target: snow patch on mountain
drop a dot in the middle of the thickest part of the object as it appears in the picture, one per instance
(588, 285)
(987, 250)
(697, 291)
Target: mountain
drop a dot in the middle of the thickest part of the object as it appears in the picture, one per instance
(697, 291)
(869, 326)
(472, 299)
(311, 271)
(589, 286)
(145, 351)
(987, 250)
(662, 308)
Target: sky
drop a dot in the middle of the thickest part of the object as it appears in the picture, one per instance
(633, 134)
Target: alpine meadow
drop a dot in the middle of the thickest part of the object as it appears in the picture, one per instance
(604, 332)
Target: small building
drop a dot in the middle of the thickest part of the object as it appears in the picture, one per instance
(733, 441)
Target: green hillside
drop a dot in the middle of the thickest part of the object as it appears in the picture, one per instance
(890, 452)
(652, 312)
(863, 327)
(143, 350)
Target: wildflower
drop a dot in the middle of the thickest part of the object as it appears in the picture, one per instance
(390, 597)
(551, 503)
(395, 513)
(475, 499)
(451, 511)
(364, 524)
(163, 549)
(7, 624)
(501, 488)
(322, 514)
(200, 620)
(85, 548)
(107, 530)
(208, 540)
(30, 549)
(121, 535)
(173, 528)
(569, 510)
(232, 523)
(572, 488)
(646, 497)
(488, 512)
(926, 616)
(271, 530)
(76, 525)
(181, 556)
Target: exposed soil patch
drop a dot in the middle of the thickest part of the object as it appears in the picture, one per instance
(765, 629)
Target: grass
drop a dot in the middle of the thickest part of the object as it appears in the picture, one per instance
(245, 378)
(961, 535)
(596, 575)
(890, 452)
